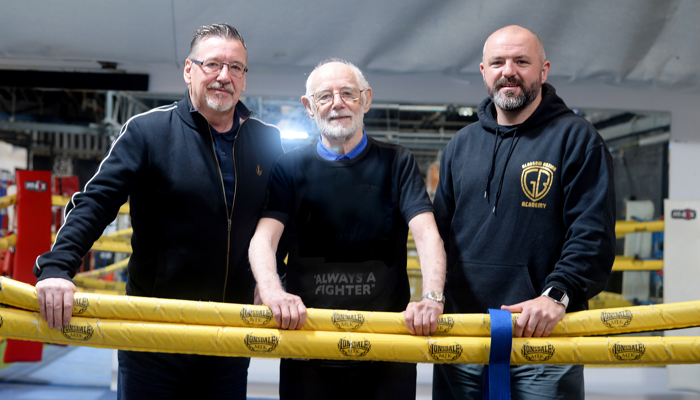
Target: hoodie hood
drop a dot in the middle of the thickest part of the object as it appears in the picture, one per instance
(551, 107)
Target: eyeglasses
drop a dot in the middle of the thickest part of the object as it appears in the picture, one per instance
(326, 96)
(213, 66)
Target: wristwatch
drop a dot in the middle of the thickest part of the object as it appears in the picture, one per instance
(437, 296)
(557, 295)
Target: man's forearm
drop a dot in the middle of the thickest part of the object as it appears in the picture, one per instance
(264, 265)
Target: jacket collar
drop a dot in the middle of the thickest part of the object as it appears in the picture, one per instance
(196, 120)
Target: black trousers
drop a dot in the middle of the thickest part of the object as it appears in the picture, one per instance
(352, 380)
(144, 375)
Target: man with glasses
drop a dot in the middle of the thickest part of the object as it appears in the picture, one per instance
(348, 201)
(196, 174)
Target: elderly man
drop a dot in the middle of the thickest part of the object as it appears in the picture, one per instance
(196, 175)
(349, 200)
(526, 207)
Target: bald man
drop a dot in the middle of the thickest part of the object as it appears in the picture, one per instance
(349, 201)
(526, 207)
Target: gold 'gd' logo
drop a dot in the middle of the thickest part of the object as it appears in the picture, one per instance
(537, 179)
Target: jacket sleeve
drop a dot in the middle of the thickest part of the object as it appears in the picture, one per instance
(588, 251)
(90, 211)
(444, 202)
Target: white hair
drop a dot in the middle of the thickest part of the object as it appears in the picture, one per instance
(358, 74)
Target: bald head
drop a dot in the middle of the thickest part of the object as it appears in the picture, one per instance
(515, 32)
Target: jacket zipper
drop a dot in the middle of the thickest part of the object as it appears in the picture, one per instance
(229, 215)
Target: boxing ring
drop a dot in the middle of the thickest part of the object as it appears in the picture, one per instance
(108, 320)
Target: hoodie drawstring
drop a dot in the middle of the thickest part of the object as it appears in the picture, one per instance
(500, 184)
(496, 145)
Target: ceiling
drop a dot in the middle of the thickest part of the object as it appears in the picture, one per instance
(637, 42)
(413, 52)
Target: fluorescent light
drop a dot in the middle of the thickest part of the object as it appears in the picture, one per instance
(294, 135)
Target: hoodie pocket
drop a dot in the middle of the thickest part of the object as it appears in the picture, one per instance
(476, 286)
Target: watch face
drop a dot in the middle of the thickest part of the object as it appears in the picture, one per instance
(556, 294)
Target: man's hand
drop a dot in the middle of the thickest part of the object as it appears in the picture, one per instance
(538, 317)
(421, 317)
(55, 297)
(288, 310)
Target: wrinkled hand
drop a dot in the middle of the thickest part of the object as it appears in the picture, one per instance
(421, 317)
(538, 317)
(55, 297)
(288, 310)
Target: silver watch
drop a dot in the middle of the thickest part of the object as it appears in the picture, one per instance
(557, 295)
(436, 296)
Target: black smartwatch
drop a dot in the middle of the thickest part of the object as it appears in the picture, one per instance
(557, 295)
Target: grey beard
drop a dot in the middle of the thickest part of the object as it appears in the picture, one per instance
(339, 133)
(218, 105)
(511, 102)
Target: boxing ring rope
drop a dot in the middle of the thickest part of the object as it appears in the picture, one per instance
(96, 273)
(192, 335)
(163, 325)
(582, 323)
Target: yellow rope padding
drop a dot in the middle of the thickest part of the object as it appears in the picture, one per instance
(229, 341)
(116, 245)
(633, 264)
(124, 234)
(100, 284)
(624, 227)
(583, 323)
(96, 273)
(621, 264)
(6, 201)
(8, 241)
(61, 201)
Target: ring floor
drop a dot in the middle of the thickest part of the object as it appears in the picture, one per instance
(83, 373)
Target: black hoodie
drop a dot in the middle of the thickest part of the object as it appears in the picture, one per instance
(521, 208)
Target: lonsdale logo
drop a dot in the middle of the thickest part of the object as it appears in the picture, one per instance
(80, 305)
(536, 180)
(78, 332)
(537, 353)
(255, 317)
(618, 319)
(445, 324)
(262, 343)
(628, 352)
(354, 348)
(445, 353)
(347, 322)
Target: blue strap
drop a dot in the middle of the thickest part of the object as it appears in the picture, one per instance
(497, 373)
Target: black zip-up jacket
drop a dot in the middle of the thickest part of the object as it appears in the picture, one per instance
(526, 207)
(187, 244)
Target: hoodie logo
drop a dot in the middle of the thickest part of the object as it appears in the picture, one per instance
(536, 180)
